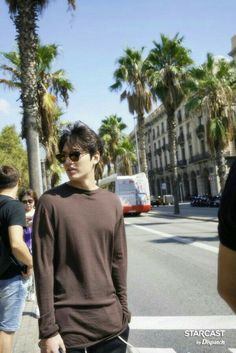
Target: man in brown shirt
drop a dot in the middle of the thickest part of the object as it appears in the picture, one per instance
(80, 256)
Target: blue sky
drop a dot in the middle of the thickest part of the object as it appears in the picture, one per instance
(94, 36)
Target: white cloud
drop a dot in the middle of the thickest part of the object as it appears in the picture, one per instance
(4, 107)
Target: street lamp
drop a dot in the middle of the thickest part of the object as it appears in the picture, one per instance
(136, 144)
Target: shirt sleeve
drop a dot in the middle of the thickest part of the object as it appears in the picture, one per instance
(16, 214)
(43, 254)
(119, 265)
(227, 212)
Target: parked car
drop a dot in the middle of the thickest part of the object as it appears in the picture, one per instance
(156, 200)
(205, 201)
(214, 201)
(200, 201)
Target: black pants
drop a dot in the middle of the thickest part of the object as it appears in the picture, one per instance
(114, 345)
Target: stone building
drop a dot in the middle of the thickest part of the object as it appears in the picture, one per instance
(197, 170)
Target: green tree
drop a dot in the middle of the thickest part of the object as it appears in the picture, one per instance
(214, 91)
(50, 86)
(167, 67)
(13, 153)
(25, 16)
(111, 132)
(131, 76)
(126, 156)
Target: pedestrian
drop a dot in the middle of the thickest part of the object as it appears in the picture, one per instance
(80, 255)
(18, 264)
(227, 236)
(29, 199)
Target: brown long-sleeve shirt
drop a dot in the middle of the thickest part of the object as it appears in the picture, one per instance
(80, 265)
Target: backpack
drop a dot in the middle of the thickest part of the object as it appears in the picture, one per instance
(6, 258)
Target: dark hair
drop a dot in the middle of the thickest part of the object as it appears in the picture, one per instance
(79, 133)
(9, 177)
(28, 192)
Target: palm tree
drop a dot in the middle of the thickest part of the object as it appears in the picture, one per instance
(131, 76)
(167, 66)
(25, 15)
(50, 86)
(213, 91)
(111, 132)
(126, 155)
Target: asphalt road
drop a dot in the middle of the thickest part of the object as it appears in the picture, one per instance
(172, 284)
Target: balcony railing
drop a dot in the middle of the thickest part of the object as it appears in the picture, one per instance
(160, 170)
(199, 157)
(182, 163)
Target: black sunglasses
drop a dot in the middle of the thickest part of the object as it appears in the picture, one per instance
(74, 156)
(27, 201)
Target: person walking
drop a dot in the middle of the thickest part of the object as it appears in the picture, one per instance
(80, 256)
(29, 199)
(227, 248)
(18, 264)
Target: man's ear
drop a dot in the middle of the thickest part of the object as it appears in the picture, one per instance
(96, 157)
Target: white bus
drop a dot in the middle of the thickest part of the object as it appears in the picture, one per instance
(133, 191)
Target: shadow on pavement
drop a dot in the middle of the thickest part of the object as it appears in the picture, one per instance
(185, 240)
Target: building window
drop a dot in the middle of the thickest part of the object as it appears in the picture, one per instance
(162, 128)
(158, 131)
(190, 151)
(153, 134)
(179, 117)
(202, 144)
(188, 128)
(183, 153)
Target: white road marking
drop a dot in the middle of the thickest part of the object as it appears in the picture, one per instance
(223, 322)
(233, 350)
(179, 239)
(151, 350)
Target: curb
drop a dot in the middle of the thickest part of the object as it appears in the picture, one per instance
(196, 218)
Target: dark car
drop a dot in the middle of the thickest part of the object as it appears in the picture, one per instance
(156, 200)
(200, 201)
(214, 201)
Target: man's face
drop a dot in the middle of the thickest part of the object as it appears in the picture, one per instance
(78, 166)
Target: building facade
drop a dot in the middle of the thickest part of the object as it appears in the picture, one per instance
(197, 170)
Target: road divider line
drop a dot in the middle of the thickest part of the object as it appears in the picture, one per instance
(179, 239)
(214, 322)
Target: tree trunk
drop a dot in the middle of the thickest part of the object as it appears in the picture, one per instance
(173, 159)
(25, 22)
(220, 162)
(141, 144)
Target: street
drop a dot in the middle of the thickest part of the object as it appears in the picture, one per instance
(172, 284)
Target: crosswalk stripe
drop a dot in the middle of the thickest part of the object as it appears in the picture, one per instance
(220, 322)
(152, 350)
(179, 239)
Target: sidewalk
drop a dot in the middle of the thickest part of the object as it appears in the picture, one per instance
(26, 339)
(186, 211)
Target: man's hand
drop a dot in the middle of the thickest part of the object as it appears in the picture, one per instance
(52, 345)
(28, 273)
